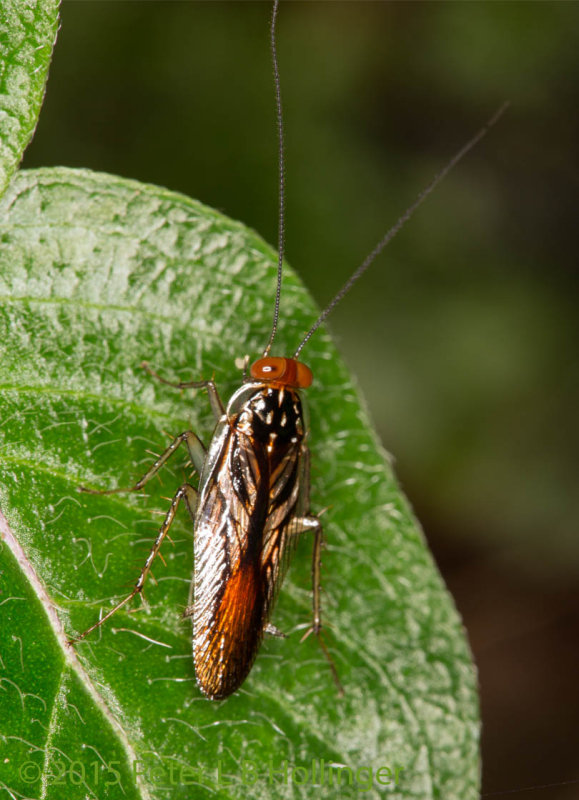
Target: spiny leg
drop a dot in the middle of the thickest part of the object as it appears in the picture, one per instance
(185, 492)
(310, 523)
(214, 400)
(313, 524)
(196, 451)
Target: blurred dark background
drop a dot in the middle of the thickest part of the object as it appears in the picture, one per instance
(464, 335)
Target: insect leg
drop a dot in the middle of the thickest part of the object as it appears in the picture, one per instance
(310, 523)
(214, 400)
(304, 525)
(185, 492)
(317, 602)
(271, 630)
(196, 452)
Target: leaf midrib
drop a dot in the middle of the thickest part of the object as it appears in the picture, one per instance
(69, 656)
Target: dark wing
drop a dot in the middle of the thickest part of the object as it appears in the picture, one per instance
(243, 535)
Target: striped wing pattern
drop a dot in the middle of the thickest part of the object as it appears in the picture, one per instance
(245, 529)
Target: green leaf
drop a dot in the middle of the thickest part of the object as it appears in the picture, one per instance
(27, 36)
(98, 274)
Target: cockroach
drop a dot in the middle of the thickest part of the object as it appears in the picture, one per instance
(252, 501)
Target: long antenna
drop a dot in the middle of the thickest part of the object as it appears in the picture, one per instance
(400, 224)
(281, 163)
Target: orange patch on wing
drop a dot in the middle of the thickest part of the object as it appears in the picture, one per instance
(235, 635)
(237, 607)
